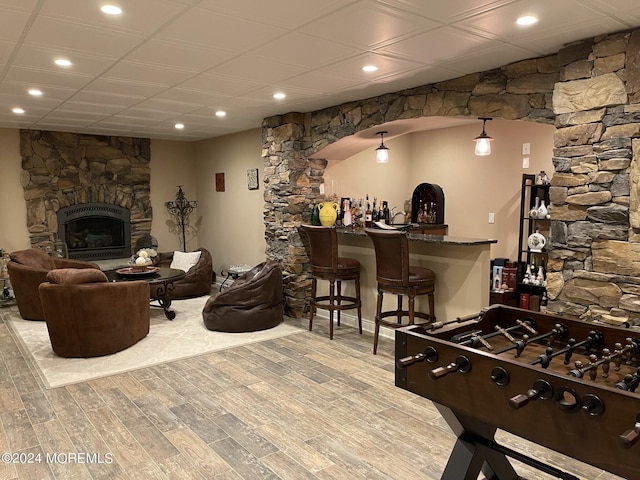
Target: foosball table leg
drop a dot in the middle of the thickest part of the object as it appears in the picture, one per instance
(469, 456)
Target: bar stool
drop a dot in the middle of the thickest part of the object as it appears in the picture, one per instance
(396, 276)
(326, 265)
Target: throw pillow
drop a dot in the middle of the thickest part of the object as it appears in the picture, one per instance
(75, 276)
(184, 261)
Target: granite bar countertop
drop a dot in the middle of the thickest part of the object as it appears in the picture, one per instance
(424, 238)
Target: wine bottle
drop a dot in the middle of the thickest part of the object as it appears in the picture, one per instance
(374, 212)
(386, 213)
(315, 215)
(346, 219)
(367, 215)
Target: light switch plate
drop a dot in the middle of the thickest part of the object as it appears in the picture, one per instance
(526, 148)
(492, 217)
(525, 162)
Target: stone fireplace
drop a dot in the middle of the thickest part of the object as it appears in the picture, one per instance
(91, 191)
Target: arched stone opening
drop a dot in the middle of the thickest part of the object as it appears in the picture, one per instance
(588, 90)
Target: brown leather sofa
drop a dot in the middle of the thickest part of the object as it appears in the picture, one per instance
(28, 269)
(253, 302)
(88, 316)
(196, 282)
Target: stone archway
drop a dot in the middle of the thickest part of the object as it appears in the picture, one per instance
(586, 90)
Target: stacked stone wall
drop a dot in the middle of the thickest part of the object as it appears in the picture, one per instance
(63, 169)
(589, 90)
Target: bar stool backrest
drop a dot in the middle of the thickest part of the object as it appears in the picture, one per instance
(392, 257)
(324, 248)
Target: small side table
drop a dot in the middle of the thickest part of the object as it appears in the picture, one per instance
(233, 273)
(6, 297)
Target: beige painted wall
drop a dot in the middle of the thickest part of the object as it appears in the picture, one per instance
(173, 164)
(13, 214)
(232, 221)
(473, 186)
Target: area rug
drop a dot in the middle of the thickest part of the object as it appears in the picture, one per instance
(184, 337)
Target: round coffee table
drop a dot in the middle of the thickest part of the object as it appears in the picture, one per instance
(160, 281)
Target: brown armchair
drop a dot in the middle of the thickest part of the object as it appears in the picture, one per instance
(196, 282)
(28, 269)
(254, 302)
(88, 316)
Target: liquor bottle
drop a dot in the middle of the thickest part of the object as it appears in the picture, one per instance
(381, 214)
(386, 213)
(367, 215)
(374, 212)
(346, 218)
(315, 215)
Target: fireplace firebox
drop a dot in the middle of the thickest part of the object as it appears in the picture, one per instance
(95, 231)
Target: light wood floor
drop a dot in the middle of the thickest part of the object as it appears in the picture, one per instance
(295, 408)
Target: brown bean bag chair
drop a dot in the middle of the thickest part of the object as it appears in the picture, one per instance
(253, 302)
(196, 282)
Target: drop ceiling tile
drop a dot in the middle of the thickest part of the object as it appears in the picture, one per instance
(625, 10)
(219, 84)
(318, 83)
(104, 109)
(175, 55)
(144, 114)
(12, 24)
(138, 72)
(249, 65)
(191, 96)
(168, 106)
(383, 25)
(206, 28)
(20, 90)
(141, 16)
(60, 124)
(6, 49)
(118, 87)
(43, 77)
(447, 12)
(284, 13)
(494, 56)
(43, 57)
(85, 117)
(352, 67)
(553, 15)
(110, 100)
(74, 37)
(436, 45)
(21, 5)
(305, 50)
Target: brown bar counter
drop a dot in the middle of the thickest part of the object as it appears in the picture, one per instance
(461, 265)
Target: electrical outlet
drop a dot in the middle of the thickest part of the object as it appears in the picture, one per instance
(525, 162)
(526, 148)
(492, 217)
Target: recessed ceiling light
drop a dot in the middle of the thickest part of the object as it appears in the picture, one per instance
(369, 68)
(279, 96)
(111, 9)
(526, 20)
(221, 113)
(179, 126)
(63, 62)
(35, 92)
(18, 110)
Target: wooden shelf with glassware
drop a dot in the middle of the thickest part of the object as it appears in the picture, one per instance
(532, 238)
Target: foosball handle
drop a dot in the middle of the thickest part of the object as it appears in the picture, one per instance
(462, 364)
(631, 437)
(541, 390)
(430, 354)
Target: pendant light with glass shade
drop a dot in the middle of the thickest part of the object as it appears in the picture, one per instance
(483, 141)
(382, 152)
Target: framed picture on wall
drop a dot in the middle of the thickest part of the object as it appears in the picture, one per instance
(252, 179)
(219, 182)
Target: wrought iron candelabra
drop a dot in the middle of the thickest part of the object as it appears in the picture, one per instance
(181, 208)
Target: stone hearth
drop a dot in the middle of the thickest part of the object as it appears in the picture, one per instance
(64, 169)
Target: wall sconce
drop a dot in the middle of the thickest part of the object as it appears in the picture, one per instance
(181, 208)
(382, 152)
(483, 141)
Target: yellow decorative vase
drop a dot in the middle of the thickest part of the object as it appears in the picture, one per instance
(328, 213)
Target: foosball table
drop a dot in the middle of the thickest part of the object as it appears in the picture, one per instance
(564, 384)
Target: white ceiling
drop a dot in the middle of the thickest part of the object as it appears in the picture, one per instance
(168, 61)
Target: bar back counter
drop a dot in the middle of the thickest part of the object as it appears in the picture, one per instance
(461, 265)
